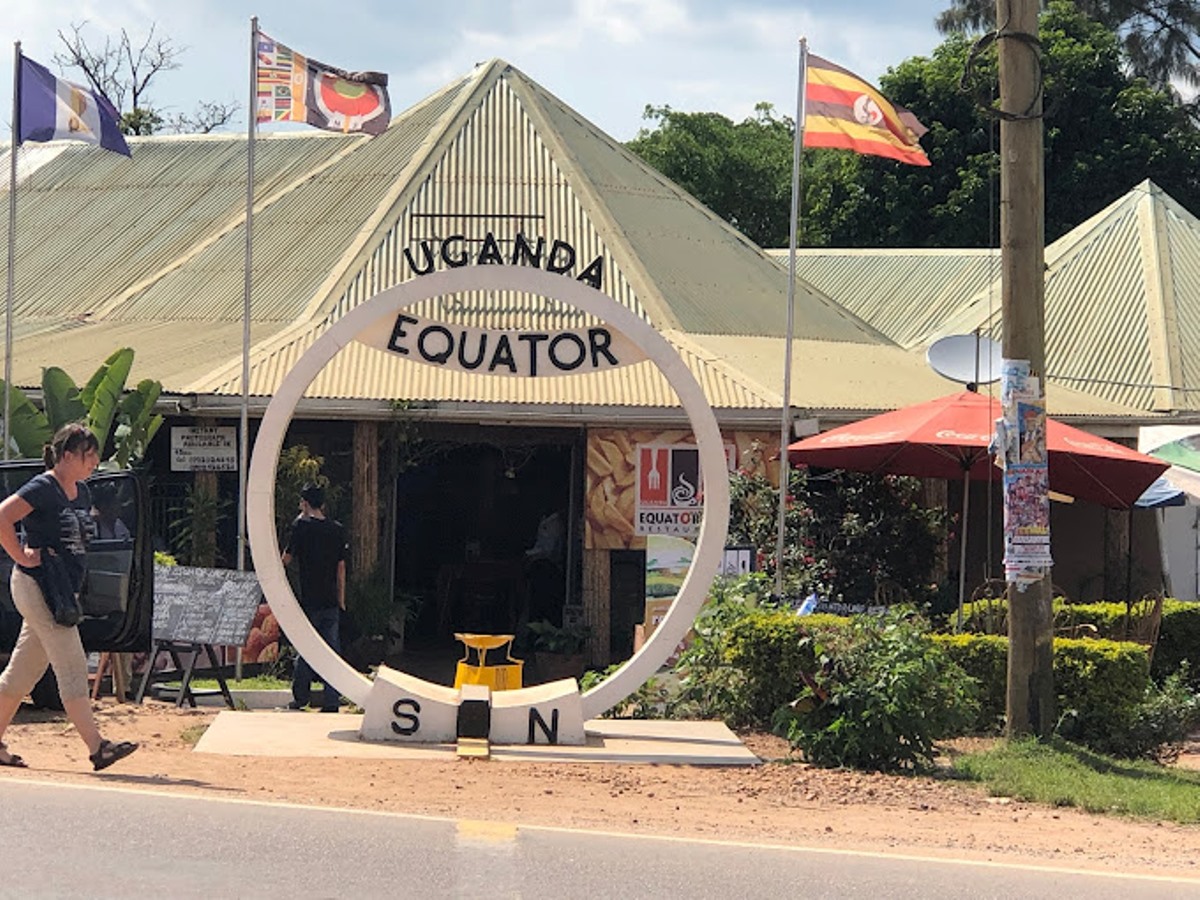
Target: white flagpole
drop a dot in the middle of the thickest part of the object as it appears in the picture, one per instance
(12, 245)
(244, 430)
(244, 435)
(785, 425)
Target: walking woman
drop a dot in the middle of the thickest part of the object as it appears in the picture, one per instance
(54, 527)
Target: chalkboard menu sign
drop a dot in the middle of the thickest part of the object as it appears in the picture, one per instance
(204, 606)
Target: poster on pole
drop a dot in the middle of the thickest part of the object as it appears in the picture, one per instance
(1021, 446)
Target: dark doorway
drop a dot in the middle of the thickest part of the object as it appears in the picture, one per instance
(475, 539)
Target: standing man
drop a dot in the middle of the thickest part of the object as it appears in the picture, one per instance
(318, 544)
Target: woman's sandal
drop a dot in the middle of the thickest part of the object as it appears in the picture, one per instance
(13, 761)
(108, 753)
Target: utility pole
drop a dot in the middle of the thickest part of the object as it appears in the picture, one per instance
(1030, 695)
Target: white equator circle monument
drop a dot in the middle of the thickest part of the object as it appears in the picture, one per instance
(374, 319)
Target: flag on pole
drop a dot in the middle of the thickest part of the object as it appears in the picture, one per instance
(51, 108)
(844, 112)
(294, 88)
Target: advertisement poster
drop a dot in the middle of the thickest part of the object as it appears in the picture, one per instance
(1021, 446)
(669, 494)
(204, 448)
(617, 474)
(668, 559)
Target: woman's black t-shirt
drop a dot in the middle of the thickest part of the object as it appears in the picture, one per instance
(58, 523)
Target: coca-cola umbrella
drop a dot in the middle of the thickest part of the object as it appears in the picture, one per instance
(948, 438)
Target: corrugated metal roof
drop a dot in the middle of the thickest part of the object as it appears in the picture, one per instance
(302, 232)
(1182, 251)
(709, 276)
(905, 294)
(495, 176)
(862, 378)
(177, 353)
(515, 160)
(1122, 318)
(148, 253)
(91, 225)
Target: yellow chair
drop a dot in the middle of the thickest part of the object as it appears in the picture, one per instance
(503, 676)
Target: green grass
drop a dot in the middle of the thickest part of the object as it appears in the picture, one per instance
(252, 683)
(192, 734)
(1063, 774)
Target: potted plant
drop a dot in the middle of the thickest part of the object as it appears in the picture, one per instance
(558, 652)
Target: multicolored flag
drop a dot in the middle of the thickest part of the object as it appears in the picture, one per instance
(843, 111)
(294, 88)
(52, 108)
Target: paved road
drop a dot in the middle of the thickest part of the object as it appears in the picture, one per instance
(73, 841)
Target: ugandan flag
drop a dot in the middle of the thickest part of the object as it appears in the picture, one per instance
(844, 112)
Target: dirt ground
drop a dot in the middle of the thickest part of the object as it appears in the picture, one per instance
(783, 801)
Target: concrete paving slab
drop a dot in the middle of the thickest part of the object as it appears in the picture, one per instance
(297, 734)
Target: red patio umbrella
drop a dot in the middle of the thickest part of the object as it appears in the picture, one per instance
(948, 438)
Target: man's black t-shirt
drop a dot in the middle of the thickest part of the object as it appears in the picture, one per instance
(58, 523)
(317, 545)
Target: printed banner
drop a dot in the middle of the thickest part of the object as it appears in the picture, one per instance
(293, 88)
(669, 497)
(615, 477)
(1020, 443)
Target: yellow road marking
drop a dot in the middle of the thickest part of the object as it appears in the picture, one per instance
(493, 832)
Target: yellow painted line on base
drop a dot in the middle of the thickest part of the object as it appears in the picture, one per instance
(517, 827)
(484, 831)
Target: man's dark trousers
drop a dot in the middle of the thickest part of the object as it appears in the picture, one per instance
(326, 622)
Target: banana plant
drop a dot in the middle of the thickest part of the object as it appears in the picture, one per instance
(100, 404)
(137, 423)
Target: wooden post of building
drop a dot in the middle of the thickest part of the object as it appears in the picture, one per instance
(364, 521)
(1030, 694)
(597, 600)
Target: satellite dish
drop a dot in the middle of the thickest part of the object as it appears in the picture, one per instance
(969, 359)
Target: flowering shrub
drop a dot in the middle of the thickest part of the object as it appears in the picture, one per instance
(843, 532)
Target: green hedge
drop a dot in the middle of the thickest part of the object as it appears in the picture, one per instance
(1178, 637)
(767, 646)
(985, 658)
(1100, 680)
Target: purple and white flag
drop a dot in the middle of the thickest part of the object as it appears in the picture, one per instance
(53, 108)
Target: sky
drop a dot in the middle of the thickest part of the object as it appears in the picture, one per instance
(607, 59)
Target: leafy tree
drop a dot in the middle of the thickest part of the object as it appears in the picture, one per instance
(742, 172)
(124, 422)
(1159, 38)
(123, 70)
(1105, 132)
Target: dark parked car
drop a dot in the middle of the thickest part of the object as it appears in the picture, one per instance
(118, 597)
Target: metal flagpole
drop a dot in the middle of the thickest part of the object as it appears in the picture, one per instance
(785, 424)
(244, 430)
(12, 245)
(244, 433)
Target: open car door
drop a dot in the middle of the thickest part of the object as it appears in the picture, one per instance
(118, 597)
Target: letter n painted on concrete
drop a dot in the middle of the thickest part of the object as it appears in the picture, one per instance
(535, 719)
